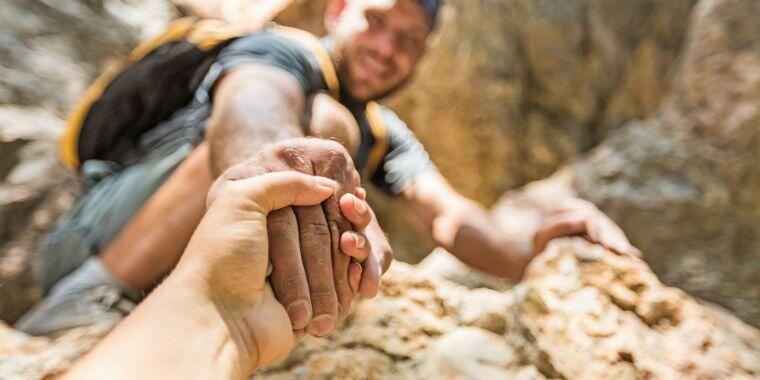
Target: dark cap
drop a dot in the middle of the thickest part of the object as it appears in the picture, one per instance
(431, 10)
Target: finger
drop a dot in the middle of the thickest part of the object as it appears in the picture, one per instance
(340, 262)
(355, 245)
(568, 224)
(370, 282)
(356, 211)
(354, 276)
(288, 276)
(317, 260)
(247, 169)
(334, 162)
(602, 230)
(361, 193)
(272, 191)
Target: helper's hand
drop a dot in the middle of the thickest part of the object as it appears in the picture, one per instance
(310, 274)
(579, 217)
(215, 315)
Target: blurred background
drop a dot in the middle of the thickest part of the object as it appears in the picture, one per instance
(648, 108)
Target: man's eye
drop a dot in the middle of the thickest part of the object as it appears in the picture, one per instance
(408, 43)
(374, 21)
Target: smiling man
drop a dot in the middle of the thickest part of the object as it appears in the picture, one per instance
(278, 100)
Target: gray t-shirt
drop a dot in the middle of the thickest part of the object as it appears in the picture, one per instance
(405, 157)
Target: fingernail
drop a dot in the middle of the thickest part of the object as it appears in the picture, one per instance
(326, 183)
(299, 314)
(359, 240)
(360, 206)
(361, 193)
(321, 325)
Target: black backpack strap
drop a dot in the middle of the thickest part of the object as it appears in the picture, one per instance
(204, 34)
(378, 151)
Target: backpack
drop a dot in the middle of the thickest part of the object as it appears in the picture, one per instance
(159, 77)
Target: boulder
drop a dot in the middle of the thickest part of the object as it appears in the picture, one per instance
(549, 82)
(683, 183)
(581, 313)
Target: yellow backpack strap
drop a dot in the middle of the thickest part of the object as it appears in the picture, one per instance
(323, 57)
(69, 154)
(205, 34)
(69, 145)
(379, 131)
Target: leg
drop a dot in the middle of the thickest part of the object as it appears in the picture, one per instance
(100, 215)
(153, 241)
(141, 252)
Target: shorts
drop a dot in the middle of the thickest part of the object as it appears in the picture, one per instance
(113, 198)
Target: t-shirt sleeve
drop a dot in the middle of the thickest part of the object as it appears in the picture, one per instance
(272, 49)
(406, 157)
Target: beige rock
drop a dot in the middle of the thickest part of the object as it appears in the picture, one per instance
(562, 322)
(683, 183)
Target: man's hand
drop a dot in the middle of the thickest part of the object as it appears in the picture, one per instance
(579, 217)
(310, 274)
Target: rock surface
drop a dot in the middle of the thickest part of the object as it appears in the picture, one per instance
(553, 79)
(581, 313)
(550, 81)
(683, 183)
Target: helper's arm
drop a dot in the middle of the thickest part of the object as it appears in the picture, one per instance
(463, 227)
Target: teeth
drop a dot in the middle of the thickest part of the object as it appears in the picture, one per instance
(374, 65)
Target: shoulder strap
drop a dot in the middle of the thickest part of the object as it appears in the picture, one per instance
(312, 43)
(205, 34)
(379, 131)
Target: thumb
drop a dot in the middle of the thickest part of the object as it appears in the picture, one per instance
(273, 191)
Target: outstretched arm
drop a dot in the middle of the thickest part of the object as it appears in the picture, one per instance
(255, 128)
(254, 105)
(463, 227)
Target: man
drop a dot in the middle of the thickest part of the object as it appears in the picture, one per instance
(263, 94)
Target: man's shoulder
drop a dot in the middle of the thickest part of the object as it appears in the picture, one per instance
(269, 38)
(390, 119)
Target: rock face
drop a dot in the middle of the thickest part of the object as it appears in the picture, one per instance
(49, 52)
(549, 82)
(581, 313)
(683, 183)
(552, 80)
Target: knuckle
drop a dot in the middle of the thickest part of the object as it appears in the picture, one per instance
(289, 286)
(324, 299)
(317, 230)
(293, 156)
(279, 222)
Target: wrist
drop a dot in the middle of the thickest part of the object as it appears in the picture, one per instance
(224, 322)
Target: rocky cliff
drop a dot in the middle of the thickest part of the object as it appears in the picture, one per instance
(655, 104)
(581, 313)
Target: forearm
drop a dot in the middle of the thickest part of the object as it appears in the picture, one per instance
(463, 227)
(468, 232)
(252, 109)
(174, 333)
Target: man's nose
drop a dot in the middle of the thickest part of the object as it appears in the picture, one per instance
(385, 45)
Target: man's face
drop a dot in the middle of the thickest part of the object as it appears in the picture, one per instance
(377, 43)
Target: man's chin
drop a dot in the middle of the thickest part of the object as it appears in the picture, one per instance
(367, 94)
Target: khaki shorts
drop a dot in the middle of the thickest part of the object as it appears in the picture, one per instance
(114, 196)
